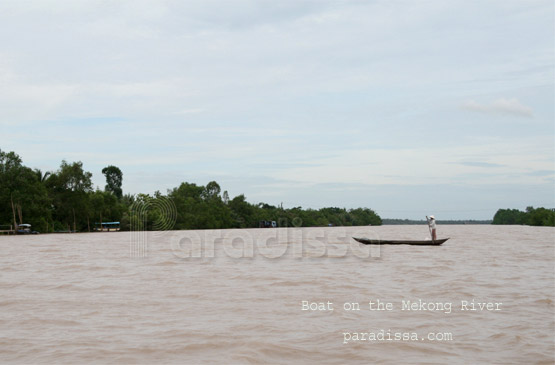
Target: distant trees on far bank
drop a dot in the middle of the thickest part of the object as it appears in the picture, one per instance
(207, 207)
(56, 201)
(65, 201)
(532, 217)
(392, 222)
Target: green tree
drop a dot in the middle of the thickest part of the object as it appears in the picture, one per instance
(200, 207)
(114, 180)
(532, 216)
(211, 191)
(23, 198)
(509, 216)
(69, 188)
(364, 217)
(42, 177)
(242, 212)
(540, 216)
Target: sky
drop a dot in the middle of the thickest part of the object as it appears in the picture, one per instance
(409, 108)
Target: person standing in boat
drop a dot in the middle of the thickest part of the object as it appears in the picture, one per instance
(432, 223)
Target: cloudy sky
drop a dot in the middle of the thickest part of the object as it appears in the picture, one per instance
(407, 107)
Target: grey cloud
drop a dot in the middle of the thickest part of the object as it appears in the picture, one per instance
(499, 106)
(479, 164)
(542, 173)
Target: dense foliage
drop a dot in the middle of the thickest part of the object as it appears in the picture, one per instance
(22, 192)
(205, 207)
(532, 216)
(64, 200)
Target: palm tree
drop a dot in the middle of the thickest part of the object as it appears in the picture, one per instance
(42, 177)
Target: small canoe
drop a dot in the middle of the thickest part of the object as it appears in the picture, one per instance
(368, 241)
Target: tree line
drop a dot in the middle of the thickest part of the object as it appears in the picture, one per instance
(64, 200)
(391, 222)
(531, 217)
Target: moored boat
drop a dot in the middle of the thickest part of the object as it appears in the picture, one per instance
(368, 241)
(24, 229)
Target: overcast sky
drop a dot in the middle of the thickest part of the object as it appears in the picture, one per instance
(410, 108)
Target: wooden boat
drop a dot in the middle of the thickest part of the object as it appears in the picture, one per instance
(368, 241)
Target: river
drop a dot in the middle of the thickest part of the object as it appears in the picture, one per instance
(298, 295)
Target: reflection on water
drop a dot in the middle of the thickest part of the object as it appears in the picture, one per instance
(236, 296)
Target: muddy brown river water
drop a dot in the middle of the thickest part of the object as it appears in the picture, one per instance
(300, 295)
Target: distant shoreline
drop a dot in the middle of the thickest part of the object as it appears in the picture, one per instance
(391, 222)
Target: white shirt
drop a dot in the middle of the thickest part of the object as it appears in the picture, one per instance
(432, 223)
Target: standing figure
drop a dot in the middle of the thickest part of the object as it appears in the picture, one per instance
(432, 224)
